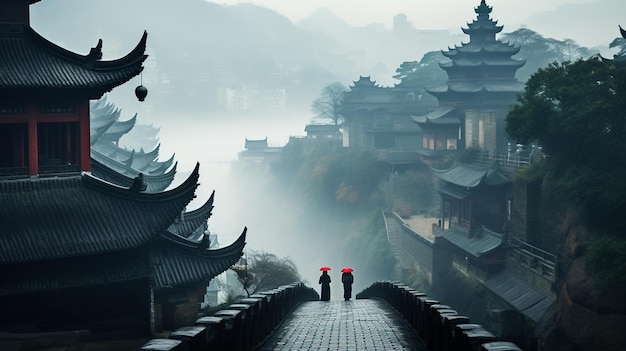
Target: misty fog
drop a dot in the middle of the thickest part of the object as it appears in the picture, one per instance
(243, 200)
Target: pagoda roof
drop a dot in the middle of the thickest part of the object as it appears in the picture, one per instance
(117, 129)
(102, 113)
(159, 167)
(488, 48)
(154, 183)
(438, 116)
(38, 64)
(130, 162)
(472, 176)
(61, 217)
(364, 82)
(181, 261)
(483, 20)
(482, 25)
(479, 86)
(486, 62)
(191, 221)
(483, 242)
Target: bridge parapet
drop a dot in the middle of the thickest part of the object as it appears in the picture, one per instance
(241, 326)
(441, 327)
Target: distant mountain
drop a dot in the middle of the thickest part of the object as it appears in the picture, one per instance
(199, 46)
(593, 24)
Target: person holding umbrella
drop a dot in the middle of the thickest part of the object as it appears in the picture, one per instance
(325, 282)
(347, 279)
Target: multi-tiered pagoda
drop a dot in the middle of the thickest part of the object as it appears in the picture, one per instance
(481, 86)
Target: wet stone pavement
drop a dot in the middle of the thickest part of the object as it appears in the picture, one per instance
(366, 324)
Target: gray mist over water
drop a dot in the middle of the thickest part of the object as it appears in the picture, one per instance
(245, 200)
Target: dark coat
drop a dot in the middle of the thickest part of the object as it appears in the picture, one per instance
(347, 279)
(325, 282)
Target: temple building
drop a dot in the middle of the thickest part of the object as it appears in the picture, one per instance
(378, 118)
(480, 90)
(79, 252)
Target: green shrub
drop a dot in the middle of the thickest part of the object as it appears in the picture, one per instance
(605, 259)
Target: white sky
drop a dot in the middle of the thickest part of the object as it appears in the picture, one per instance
(425, 14)
(454, 14)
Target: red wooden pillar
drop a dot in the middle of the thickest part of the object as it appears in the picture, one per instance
(33, 145)
(85, 137)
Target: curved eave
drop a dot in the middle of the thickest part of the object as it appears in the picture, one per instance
(483, 244)
(52, 218)
(97, 132)
(154, 183)
(157, 168)
(469, 176)
(490, 48)
(193, 220)
(133, 59)
(486, 63)
(434, 116)
(203, 212)
(40, 65)
(103, 115)
(186, 190)
(490, 26)
(180, 263)
(437, 121)
(120, 128)
(465, 88)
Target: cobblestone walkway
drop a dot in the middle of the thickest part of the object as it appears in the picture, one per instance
(366, 324)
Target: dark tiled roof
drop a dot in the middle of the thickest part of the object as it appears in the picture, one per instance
(125, 166)
(520, 295)
(54, 218)
(477, 86)
(125, 178)
(193, 220)
(438, 116)
(475, 48)
(484, 242)
(486, 62)
(36, 63)
(178, 261)
(471, 176)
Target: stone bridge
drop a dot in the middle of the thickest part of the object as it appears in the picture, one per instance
(385, 316)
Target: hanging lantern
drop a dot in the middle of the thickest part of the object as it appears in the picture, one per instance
(141, 92)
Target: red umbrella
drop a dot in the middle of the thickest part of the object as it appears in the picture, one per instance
(347, 270)
(325, 268)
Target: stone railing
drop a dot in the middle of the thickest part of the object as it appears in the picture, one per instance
(441, 327)
(240, 327)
